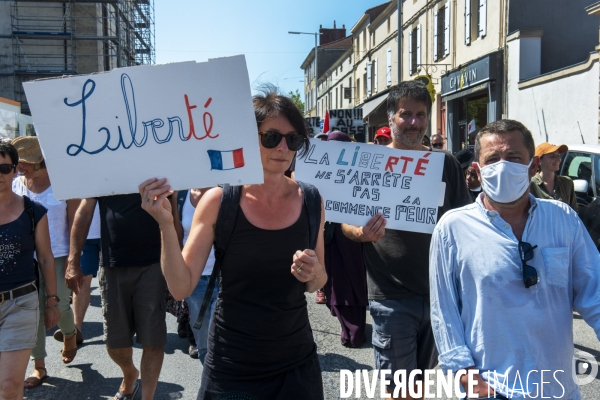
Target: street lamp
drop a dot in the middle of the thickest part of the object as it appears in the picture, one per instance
(316, 65)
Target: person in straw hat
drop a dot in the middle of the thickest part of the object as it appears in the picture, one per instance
(34, 183)
(546, 184)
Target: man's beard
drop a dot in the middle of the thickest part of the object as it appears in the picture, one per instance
(411, 139)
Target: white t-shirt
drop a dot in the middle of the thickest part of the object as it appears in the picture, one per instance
(187, 214)
(58, 224)
(94, 232)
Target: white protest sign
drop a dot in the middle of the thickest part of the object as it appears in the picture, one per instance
(349, 121)
(104, 134)
(358, 180)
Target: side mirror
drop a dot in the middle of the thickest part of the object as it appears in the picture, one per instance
(581, 185)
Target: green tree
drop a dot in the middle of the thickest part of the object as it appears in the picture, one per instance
(296, 98)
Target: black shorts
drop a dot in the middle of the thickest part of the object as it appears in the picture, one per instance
(133, 302)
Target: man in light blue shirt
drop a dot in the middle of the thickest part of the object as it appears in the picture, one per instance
(506, 273)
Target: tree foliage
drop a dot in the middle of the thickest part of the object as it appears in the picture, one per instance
(296, 98)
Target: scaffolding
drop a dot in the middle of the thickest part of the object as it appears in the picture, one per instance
(71, 37)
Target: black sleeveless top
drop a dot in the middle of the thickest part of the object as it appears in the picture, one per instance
(260, 324)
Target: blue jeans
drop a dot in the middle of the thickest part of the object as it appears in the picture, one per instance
(194, 302)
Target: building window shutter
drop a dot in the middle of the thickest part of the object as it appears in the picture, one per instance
(482, 18)
(418, 45)
(447, 29)
(467, 22)
(375, 77)
(388, 73)
(369, 79)
(435, 34)
(410, 51)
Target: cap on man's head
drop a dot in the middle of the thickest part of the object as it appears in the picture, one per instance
(547, 148)
(384, 131)
(465, 158)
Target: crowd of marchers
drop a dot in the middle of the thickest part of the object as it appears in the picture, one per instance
(492, 289)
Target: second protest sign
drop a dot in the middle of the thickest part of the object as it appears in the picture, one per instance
(358, 180)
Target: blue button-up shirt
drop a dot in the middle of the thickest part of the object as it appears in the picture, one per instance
(520, 339)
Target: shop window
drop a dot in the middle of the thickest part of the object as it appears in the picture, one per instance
(472, 117)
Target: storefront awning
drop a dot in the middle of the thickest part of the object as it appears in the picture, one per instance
(466, 92)
(372, 105)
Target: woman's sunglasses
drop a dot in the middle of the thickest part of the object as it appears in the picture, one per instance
(271, 139)
(5, 169)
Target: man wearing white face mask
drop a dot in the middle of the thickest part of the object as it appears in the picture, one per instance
(506, 274)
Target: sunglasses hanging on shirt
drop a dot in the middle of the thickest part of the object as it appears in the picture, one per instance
(530, 276)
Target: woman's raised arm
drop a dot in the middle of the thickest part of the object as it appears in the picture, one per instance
(182, 272)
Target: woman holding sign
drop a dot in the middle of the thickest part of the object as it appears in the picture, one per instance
(260, 342)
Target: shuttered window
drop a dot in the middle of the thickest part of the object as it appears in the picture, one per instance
(368, 82)
(388, 69)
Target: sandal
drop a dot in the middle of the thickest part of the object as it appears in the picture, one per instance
(58, 336)
(130, 396)
(69, 354)
(34, 381)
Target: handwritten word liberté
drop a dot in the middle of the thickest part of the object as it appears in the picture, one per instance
(130, 108)
(371, 161)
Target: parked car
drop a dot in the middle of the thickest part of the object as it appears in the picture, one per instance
(582, 164)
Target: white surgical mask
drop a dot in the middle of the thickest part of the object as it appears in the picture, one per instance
(505, 181)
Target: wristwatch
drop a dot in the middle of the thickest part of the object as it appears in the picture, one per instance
(55, 297)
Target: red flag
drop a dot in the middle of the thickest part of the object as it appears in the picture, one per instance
(326, 123)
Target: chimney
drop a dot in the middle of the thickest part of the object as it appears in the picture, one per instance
(334, 24)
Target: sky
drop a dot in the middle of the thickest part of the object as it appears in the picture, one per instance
(197, 30)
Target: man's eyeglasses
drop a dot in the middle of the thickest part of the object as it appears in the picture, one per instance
(5, 169)
(471, 174)
(530, 276)
(271, 139)
(437, 145)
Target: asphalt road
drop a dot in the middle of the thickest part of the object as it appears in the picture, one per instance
(92, 375)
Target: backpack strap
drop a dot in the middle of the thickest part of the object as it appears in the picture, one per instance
(181, 196)
(312, 201)
(29, 210)
(230, 204)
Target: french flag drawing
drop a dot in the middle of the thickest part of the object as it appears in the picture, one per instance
(226, 159)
